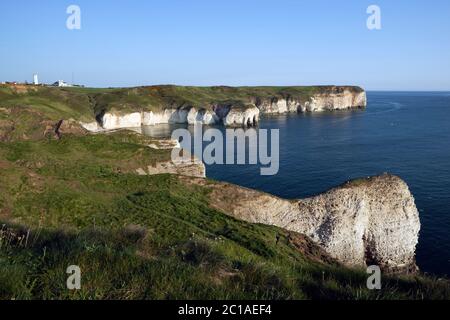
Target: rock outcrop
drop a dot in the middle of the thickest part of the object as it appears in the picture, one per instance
(193, 168)
(338, 100)
(246, 116)
(370, 221)
(335, 98)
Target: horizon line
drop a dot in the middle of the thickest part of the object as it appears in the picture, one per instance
(234, 86)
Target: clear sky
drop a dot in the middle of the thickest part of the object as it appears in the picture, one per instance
(228, 42)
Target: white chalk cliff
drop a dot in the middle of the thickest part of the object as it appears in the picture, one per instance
(248, 116)
(370, 221)
(335, 98)
(335, 101)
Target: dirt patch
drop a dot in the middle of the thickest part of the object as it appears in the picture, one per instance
(71, 127)
(22, 88)
(6, 127)
(222, 275)
(5, 213)
(4, 164)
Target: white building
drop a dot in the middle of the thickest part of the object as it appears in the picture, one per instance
(35, 79)
(61, 83)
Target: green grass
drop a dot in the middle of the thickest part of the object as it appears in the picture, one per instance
(76, 201)
(53, 103)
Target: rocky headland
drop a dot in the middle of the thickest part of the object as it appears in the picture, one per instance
(229, 106)
(370, 221)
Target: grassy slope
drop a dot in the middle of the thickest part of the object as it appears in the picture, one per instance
(149, 236)
(77, 201)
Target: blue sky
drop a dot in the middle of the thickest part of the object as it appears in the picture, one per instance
(246, 42)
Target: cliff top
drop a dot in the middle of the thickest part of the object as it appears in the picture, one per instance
(85, 102)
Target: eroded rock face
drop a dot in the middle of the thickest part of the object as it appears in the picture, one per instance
(242, 116)
(334, 99)
(277, 105)
(91, 126)
(247, 116)
(190, 168)
(368, 221)
(235, 114)
(114, 121)
(188, 115)
(363, 222)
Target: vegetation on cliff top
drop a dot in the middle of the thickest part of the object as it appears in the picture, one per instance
(85, 103)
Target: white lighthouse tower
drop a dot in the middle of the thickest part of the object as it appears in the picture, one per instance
(35, 79)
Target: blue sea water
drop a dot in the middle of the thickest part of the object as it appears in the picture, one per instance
(403, 133)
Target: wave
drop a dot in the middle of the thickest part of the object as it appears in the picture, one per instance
(394, 106)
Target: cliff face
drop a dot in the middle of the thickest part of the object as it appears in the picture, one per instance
(335, 98)
(243, 112)
(248, 116)
(364, 222)
(338, 100)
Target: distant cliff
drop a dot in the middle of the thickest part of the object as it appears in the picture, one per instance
(327, 99)
(98, 109)
(240, 106)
